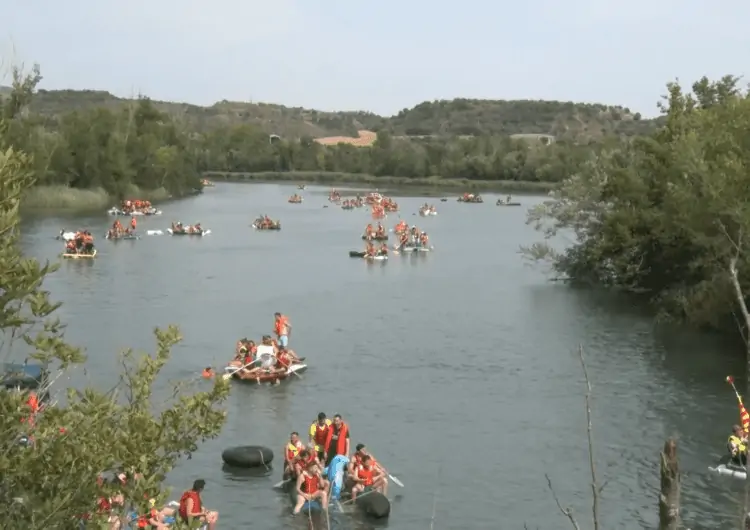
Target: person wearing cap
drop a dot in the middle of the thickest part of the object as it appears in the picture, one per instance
(737, 445)
(319, 433)
(191, 506)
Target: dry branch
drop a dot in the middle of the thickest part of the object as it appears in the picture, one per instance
(595, 490)
(567, 512)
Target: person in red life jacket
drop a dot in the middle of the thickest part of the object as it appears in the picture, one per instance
(32, 404)
(191, 506)
(367, 478)
(311, 486)
(319, 433)
(283, 328)
(291, 450)
(337, 439)
(303, 459)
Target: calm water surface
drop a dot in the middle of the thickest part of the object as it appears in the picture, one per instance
(458, 369)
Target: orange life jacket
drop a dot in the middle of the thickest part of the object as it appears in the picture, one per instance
(197, 505)
(366, 475)
(311, 484)
(341, 443)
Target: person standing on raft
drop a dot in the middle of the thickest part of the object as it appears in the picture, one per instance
(337, 440)
(283, 329)
(319, 433)
(191, 506)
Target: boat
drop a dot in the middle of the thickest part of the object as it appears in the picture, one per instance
(116, 211)
(375, 238)
(207, 183)
(360, 254)
(154, 232)
(188, 231)
(471, 198)
(347, 207)
(411, 248)
(79, 256)
(501, 202)
(266, 376)
(301, 187)
(729, 469)
(128, 237)
(425, 213)
(295, 199)
(444, 199)
(372, 504)
(275, 225)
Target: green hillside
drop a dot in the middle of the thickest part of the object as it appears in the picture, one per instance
(458, 117)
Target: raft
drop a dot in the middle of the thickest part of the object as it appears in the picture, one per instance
(129, 237)
(247, 456)
(267, 377)
(372, 504)
(376, 238)
(186, 233)
(425, 213)
(290, 487)
(408, 249)
(727, 468)
(347, 207)
(503, 203)
(79, 256)
(276, 226)
(358, 254)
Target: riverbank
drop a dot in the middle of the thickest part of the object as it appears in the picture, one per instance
(328, 177)
(67, 199)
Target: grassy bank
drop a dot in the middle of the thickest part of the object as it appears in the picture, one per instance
(64, 198)
(382, 182)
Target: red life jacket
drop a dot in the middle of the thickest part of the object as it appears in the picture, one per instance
(197, 505)
(321, 432)
(310, 485)
(366, 475)
(341, 443)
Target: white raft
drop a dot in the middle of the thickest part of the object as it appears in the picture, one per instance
(199, 234)
(425, 213)
(410, 248)
(116, 211)
(154, 232)
(66, 236)
(730, 470)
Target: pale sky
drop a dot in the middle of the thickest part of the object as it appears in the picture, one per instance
(379, 55)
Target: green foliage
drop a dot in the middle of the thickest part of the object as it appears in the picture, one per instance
(664, 215)
(51, 484)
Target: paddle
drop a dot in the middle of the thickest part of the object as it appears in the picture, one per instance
(228, 375)
(730, 380)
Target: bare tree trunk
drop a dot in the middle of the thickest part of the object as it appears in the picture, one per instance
(669, 496)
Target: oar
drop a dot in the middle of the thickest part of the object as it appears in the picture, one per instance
(230, 374)
(281, 484)
(730, 380)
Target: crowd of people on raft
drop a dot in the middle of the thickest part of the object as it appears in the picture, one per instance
(252, 365)
(118, 231)
(179, 228)
(295, 199)
(427, 209)
(305, 465)
(410, 237)
(129, 207)
(264, 222)
(82, 243)
(470, 197)
(189, 510)
(350, 204)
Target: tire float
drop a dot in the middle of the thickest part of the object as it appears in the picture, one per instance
(247, 456)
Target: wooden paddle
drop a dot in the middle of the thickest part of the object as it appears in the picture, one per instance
(228, 375)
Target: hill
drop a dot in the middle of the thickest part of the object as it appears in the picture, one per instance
(458, 117)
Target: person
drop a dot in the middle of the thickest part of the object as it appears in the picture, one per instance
(191, 506)
(304, 457)
(369, 232)
(291, 450)
(208, 373)
(337, 440)
(366, 477)
(380, 231)
(283, 328)
(359, 453)
(290, 354)
(370, 250)
(133, 223)
(155, 518)
(311, 486)
(383, 250)
(319, 433)
(737, 446)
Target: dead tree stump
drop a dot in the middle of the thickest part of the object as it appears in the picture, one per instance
(669, 495)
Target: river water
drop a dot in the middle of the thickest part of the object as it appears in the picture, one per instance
(458, 369)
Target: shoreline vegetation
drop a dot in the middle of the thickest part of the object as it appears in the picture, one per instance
(113, 148)
(358, 179)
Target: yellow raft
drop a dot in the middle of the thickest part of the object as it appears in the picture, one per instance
(80, 256)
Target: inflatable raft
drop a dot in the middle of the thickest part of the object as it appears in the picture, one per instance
(358, 254)
(276, 226)
(186, 233)
(376, 238)
(247, 456)
(729, 469)
(503, 203)
(79, 256)
(117, 211)
(372, 504)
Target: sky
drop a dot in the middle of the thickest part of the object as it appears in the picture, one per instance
(380, 56)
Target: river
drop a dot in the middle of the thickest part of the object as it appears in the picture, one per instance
(458, 369)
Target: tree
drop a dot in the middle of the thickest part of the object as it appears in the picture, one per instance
(53, 482)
